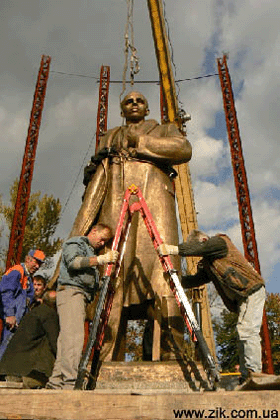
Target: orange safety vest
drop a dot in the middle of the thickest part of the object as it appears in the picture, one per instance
(23, 276)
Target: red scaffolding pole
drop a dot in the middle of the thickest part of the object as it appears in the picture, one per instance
(24, 187)
(102, 112)
(243, 196)
(101, 128)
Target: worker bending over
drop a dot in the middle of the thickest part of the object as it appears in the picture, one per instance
(241, 288)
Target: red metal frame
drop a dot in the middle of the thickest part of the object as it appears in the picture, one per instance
(119, 243)
(242, 193)
(24, 187)
(102, 113)
(101, 126)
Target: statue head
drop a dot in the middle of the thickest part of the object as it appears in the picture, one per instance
(134, 107)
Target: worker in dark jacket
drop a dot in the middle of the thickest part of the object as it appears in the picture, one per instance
(17, 294)
(241, 288)
(32, 350)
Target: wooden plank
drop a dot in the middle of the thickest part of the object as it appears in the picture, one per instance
(89, 405)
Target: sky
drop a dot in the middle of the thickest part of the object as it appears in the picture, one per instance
(81, 35)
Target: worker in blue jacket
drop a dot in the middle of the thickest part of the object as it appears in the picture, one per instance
(16, 294)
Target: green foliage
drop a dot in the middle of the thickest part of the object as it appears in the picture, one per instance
(226, 334)
(226, 339)
(134, 334)
(42, 219)
(272, 308)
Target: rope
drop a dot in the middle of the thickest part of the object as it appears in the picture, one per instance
(129, 47)
(77, 177)
(171, 53)
(138, 81)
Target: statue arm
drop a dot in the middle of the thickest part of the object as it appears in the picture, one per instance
(171, 146)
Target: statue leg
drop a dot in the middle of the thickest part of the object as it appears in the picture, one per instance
(114, 340)
(172, 330)
(169, 323)
(163, 337)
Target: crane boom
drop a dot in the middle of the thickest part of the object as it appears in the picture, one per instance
(183, 185)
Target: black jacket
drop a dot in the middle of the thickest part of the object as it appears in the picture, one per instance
(33, 346)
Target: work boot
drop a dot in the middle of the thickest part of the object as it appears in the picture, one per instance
(252, 374)
(14, 378)
(241, 380)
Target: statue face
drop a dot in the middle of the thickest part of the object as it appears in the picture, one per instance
(134, 107)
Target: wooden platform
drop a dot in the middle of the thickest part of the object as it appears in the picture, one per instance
(133, 391)
(149, 404)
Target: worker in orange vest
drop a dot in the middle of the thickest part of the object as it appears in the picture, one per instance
(17, 293)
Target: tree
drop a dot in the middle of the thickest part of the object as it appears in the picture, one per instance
(134, 334)
(226, 334)
(42, 219)
(226, 339)
(272, 308)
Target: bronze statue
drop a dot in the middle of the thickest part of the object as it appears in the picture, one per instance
(141, 152)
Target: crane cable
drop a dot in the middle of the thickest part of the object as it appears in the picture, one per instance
(129, 46)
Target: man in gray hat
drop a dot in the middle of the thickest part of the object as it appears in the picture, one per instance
(241, 288)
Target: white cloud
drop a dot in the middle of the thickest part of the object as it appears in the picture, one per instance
(215, 204)
(74, 108)
(207, 154)
(13, 128)
(267, 222)
(3, 115)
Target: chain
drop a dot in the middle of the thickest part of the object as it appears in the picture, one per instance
(129, 47)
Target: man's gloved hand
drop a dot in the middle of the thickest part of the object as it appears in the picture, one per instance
(109, 257)
(165, 249)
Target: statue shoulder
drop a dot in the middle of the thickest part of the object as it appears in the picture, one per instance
(165, 128)
(152, 121)
(106, 139)
(149, 125)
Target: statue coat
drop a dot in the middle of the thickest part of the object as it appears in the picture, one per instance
(157, 145)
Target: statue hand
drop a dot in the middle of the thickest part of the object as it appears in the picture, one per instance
(132, 136)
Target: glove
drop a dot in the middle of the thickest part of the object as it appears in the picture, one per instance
(109, 257)
(165, 249)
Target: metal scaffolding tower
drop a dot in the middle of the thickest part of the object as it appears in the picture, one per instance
(242, 193)
(24, 187)
(102, 112)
